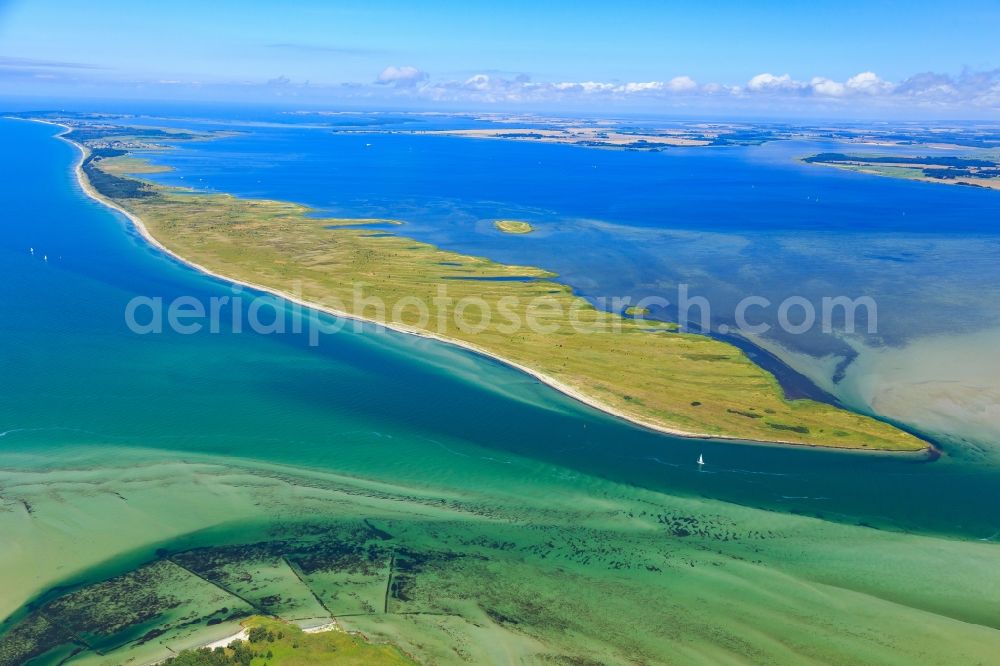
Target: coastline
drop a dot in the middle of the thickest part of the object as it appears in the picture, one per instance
(244, 635)
(929, 452)
(981, 183)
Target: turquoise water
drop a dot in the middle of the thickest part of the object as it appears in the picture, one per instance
(74, 376)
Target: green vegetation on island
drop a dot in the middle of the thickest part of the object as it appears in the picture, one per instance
(978, 171)
(636, 311)
(272, 642)
(513, 227)
(681, 383)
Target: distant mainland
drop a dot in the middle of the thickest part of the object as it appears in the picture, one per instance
(977, 171)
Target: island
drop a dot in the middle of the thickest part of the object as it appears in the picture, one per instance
(607, 136)
(513, 227)
(660, 135)
(677, 383)
(976, 171)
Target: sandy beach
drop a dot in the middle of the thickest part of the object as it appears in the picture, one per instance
(244, 634)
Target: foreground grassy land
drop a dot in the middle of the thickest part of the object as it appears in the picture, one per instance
(278, 643)
(643, 371)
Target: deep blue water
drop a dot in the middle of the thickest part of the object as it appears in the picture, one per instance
(436, 179)
(74, 376)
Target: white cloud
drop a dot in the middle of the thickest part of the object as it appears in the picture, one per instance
(681, 84)
(869, 83)
(770, 82)
(865, 83)
(484, 87)
(401, 76)
(928, 85)
(478, 82)
(642, 87)
(596, 87)
(826, 87)
(980, 89)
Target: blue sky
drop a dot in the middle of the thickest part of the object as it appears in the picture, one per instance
(573, 54)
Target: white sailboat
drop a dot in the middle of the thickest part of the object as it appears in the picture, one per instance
(701, 460)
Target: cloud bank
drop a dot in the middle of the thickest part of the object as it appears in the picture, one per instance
(401, 77)
(978, 89)
(969, 93)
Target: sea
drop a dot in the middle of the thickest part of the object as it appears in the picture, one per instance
(75, 376)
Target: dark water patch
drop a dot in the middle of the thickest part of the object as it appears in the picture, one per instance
(898, 259)
(492, 278)
(794, 384)
(368, 225)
